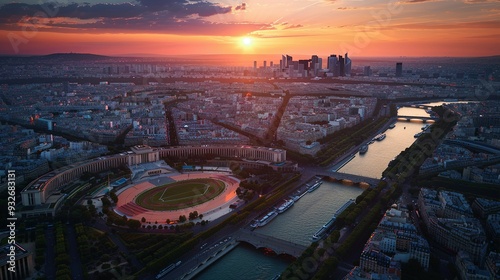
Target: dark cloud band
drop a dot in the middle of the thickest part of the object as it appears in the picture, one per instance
(153, 15)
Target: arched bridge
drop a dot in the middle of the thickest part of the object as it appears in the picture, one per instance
(354, 178)
(279, 246)
(409, 118)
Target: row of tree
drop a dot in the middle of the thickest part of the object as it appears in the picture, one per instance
(338, 143)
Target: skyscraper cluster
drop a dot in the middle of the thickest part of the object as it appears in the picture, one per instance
(337, 66)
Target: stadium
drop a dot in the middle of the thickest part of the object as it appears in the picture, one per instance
(43, 195)
(168, 197)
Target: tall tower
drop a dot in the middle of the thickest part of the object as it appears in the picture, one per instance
(315, 64)
(341, 66)
(255, 64)
(265, 64)
(367, 71)
(304, 62)
(331, 63)
(289, 60)
(399, 69)
(347, 65)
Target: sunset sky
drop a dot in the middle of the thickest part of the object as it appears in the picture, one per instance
(176, 27)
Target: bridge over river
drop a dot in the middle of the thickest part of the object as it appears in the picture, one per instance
(423, 119)
(279, 246)
(339, 176)
(202, 260)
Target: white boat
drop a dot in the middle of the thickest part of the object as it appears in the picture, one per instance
(285, 206)
(315, 186)
(265, 220)
(363, 149)
(269, 217)
(319, 234)
(166, 270)
(347, 204)
(379, 137)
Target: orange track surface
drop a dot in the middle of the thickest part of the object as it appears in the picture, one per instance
(132, 210)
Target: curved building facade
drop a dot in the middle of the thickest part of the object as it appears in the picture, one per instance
(38, 191)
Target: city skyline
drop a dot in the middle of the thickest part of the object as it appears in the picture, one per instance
(402, 28)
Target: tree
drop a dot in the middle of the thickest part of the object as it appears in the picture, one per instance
(80, 213)
(193, 215)
(105, 202)
(105, 258)
(113, 197)
(143, 220)
(92, 210)
(182, 218)
(133, 224)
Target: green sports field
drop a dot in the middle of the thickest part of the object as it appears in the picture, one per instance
(180, 195)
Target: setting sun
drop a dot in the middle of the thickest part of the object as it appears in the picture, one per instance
(247, 41)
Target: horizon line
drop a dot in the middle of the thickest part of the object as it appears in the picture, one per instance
(153, 55)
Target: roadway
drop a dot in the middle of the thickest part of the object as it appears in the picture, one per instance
(50, 254)
(196, 258)
(76, 263)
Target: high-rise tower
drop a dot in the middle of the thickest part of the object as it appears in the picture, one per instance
(347, 65)
(331, 63)
(315, 64)
(341, 66)
(399, 69)
(367, 71)
(289, 60)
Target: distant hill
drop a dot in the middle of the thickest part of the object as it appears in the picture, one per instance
(53, 58)
(71, 56)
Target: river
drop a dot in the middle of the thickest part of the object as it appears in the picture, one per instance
(380, 153)
(302, 220)
(245, 263)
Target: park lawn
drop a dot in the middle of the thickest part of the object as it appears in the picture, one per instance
(180, 195)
